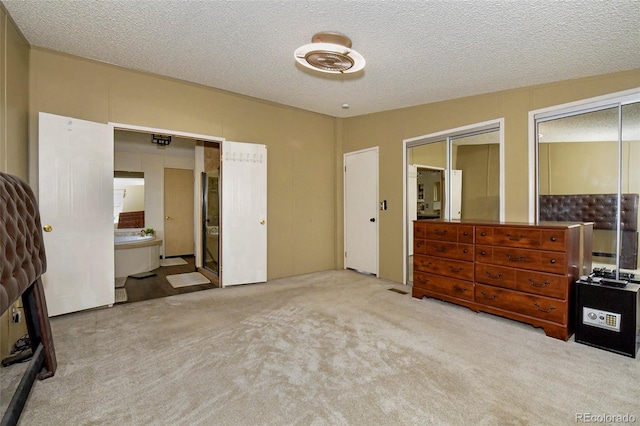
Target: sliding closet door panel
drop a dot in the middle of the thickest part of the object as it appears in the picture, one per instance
(578, 176)
(244, 213)
(630, 184)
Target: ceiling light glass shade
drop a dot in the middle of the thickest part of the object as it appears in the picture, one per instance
(329, 57)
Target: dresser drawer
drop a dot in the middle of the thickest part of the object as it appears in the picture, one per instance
(484, 235)
(528, 238)
(419, 246)
(543, 284)
(516, 237)
(441, 231)
(446, 267)
(449, 250)
(544, 308)
(446, 231)
(554, 262)
(496, 275)
(553, 239)
(444, 285)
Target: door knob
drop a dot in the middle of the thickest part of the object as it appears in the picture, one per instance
(373, 219)
(262, 222)
(47, 228)
(168, 218)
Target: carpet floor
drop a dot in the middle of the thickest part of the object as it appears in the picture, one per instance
(329, 348)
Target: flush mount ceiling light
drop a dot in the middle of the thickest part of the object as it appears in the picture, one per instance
(330, 52)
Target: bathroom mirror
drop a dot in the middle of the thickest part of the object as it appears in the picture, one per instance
(128, 200)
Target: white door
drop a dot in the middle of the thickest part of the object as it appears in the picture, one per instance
(361, 211)
(76, 201)
(178, 210)
(456, 194)
(243, 213)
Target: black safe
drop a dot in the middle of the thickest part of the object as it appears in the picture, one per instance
(606, 317)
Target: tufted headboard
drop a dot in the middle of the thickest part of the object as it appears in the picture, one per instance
(597, 208)
(22, 263)
(600, 209)
(22, 259)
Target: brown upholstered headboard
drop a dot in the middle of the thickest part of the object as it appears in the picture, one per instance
(22, 255)
(597, 208)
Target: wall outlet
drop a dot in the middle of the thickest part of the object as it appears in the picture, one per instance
(16, 316)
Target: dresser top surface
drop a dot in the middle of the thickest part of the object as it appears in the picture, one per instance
(494, 223)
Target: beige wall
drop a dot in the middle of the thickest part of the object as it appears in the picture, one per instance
(387, 130)
(305, 149)
(14, 97)
(300, 144)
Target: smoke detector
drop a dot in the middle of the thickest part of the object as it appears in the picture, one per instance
(330, 52)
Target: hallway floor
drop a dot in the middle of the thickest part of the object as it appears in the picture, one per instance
(158, 286)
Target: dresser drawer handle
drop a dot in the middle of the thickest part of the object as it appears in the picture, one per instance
(494, 277)
(486, 296)
(465, 251)
(553, 239)
(465, 233)
(514, 238)
(551, 308)
(539, 285)
(483, 252)
(418, 244)
(424, 264)
(459, 289)
(484, 234)
(516, 259)
(439, 232)
(441, 249)
(552, 261)
(418, 229)
(422, 280)
(455, 270)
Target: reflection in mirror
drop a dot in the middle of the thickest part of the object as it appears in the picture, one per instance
(211, 206)
(475, 185)
(580, 174)
(128, 200)
(426, 165)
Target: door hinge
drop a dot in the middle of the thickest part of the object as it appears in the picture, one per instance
(345, 169)
(345, 254)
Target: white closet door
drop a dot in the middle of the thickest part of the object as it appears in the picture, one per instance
(243, 213)
(76, 201)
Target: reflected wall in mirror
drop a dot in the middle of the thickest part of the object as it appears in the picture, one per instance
(478, 159)
(128, 200)
(585, 170)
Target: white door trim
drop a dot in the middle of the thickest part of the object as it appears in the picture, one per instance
(344, 208)
(198, 169)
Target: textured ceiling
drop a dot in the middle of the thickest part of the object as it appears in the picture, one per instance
(417, 52)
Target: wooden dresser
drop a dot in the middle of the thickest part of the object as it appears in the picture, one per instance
(518, 271)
